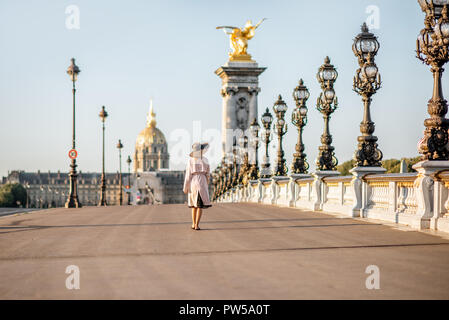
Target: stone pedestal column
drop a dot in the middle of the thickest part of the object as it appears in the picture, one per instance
(427, 214)
(360, 188)
(240, 88)
(318, 187)
(293, 187)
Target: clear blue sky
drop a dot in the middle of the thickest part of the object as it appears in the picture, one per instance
(131, 51)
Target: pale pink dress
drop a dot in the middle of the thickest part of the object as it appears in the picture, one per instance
(196, 181)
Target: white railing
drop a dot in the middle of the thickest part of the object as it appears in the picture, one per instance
(410, 199)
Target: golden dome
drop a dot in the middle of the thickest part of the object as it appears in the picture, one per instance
(150, 135)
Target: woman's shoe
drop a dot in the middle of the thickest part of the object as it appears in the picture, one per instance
(197, 228)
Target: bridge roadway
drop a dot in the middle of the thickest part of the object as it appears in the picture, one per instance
(244, 251)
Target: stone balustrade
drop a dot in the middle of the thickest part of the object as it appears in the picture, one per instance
(393, 198)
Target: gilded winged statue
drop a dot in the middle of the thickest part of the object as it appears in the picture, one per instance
(239, 38)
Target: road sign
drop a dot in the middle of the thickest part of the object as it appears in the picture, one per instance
(73, 154)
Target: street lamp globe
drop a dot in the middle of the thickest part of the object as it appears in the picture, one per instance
(442, 28)
(103, 114)
(433, 5)
(329, 95)
(281, 122)
(300, 93)
(128, 160)
(73, 71)
(370, 71)
(280, 107)
(254, 128)
(365, 45)
(267, 119)
(327, 72)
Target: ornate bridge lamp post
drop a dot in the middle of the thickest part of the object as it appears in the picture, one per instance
(299, 119)
(267, 120)
(366, 83)
(254, 169)
(120, 147)
(128, 161)
(224, 182)
(433, 50)
(214, 184)
(227, 173)
(103, 115)
(280, 108)
(235, 167)
(220, 180)
(72, 201)
(244, 167)
(327, 103)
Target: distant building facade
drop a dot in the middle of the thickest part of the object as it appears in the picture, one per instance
(50, 189)
(150, 183)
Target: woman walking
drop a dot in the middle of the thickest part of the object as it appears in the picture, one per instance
(196, 183)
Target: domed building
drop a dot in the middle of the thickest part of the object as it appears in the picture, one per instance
(151, 152)
(152, 182)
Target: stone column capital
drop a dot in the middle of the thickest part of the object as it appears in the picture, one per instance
(253, 90)
(229, 91)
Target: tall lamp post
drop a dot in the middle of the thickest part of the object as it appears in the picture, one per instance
(103, 115)
(244, 159)
(267, 120)
(219, 181)
(327, 103)
(366, 83)
(254, 169)
(299, 119)
(129, 179)
(433, 50)
(235, 166)
(72, 201)
(280, 108)
(224, 173)
(120, 147)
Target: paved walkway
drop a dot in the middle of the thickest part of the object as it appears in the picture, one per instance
(9, 211)
(244, 251)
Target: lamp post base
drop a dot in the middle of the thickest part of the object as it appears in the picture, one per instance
(359, 188)
(73, 203)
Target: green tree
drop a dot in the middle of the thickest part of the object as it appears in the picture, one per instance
(12, 195)
(345, 167)
(392, 165)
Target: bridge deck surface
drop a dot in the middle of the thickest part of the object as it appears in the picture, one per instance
(243, 251)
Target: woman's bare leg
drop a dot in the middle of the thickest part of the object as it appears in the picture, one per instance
(193, 217)
(198, 217)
